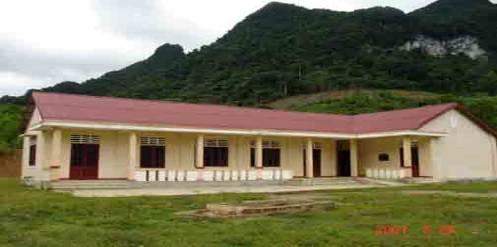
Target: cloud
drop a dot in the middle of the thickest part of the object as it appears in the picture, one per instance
(46, 42)
(147, 21)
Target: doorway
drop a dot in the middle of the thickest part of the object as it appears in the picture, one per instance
(343, 159)
(316, 159)
(343, 163)
(414, 160)
(84, 161)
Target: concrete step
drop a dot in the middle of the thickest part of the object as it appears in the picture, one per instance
(89, 184)
(122, 184)
(193, 184)
(418, 180)
(323, 181)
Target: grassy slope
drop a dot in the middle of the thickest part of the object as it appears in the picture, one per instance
(364, 101)
(38, 218)
(305, 102)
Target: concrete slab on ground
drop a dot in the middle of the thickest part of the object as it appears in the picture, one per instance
(164, 191)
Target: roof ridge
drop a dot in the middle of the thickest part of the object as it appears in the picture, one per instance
(351, 116)
(452, 104)
(193, 104)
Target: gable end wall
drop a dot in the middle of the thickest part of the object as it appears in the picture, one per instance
(467, 151)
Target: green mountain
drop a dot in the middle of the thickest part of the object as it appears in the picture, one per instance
(282, 50)
(460, 17)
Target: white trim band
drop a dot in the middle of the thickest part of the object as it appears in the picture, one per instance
(124, 127)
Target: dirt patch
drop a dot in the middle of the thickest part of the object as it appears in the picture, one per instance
(450, 193)
(10, 164)
(257, 208)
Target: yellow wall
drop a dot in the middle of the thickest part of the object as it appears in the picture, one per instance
(370, 149)
(425, 157)
(113, 158)
(40, 170)
(466, 152)
(35, 117)
(180, 150)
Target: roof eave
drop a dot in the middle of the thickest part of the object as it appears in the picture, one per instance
(255, 132)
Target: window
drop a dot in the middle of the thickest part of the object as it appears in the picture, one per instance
(401, 153)
(316, 153)
(152, 152)
(252, 156)
(271, 157)
(216, 153)
(270, 154)
(383, 157)
(32, 151)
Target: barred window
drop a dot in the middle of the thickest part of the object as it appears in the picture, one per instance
(270, 154)
(152, 152)
(32, 151)
(216, 153)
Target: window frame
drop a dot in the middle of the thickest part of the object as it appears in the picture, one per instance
(216, 152)
(153, 152)
(32, 152)
(268, 146)
(381, 157)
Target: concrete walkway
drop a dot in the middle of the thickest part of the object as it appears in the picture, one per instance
(174, 191)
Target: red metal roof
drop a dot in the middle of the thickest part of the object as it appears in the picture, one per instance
(56, 106)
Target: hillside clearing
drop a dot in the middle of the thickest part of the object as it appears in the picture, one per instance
(307, 99)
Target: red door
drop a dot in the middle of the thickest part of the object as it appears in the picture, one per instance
(316, 159)
(84, 161)
(415, 161)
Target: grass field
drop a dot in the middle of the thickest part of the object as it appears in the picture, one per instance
(30, 217)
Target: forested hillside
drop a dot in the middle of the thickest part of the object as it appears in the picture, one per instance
(10, 120)
(281, 50)
(366, 101)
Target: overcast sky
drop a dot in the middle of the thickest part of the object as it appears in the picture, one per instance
(49, 41)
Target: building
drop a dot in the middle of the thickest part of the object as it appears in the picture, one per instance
(86, 137)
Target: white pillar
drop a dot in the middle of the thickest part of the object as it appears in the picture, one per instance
(41, 162)
(406, 147)
(333, 163)
(55, 157)
(309, 161)
(199, 152)
(133, 155)
(258, 152)
(493, 144)
(353, 158)
(25, 154)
